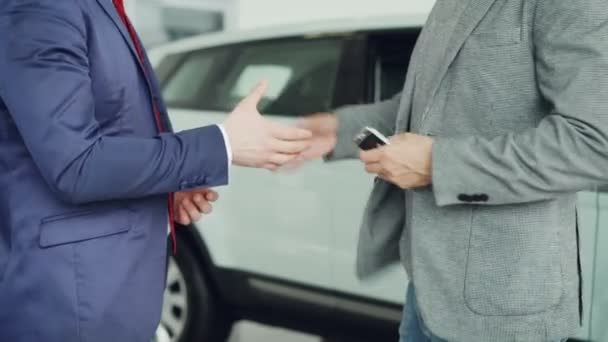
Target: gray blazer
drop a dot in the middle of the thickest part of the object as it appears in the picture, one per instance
(515, 93)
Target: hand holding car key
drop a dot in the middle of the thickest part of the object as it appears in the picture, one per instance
(369, 138)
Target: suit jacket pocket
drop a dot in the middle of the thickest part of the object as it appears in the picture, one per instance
(513, 264)
(82, 226)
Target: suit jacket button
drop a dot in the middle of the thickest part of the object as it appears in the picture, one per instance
(183, 185)
(464, 198)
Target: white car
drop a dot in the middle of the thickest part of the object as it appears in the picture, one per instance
(280, 248)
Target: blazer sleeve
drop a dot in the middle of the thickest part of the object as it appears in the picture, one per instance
(352, 119)
(45, 85)
(568, 151)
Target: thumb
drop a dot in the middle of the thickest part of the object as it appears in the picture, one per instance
(252, 100)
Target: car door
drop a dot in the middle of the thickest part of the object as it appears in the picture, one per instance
(385, 58)
(271, 224)
(590, 211)
(596, 272)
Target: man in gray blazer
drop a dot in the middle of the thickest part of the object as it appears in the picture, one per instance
(502, 119)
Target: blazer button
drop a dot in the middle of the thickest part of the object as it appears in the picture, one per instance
(465, 198)
(184, 185)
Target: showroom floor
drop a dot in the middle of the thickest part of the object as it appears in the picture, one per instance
(252, 332)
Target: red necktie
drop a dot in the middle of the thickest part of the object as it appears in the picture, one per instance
(120, 7)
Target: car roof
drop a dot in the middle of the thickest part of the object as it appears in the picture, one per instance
(312, 28)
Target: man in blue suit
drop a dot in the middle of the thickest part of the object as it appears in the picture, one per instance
(87, 160)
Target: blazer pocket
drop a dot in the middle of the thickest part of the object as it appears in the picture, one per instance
(82, 226)
(513, 264)
(496, 38)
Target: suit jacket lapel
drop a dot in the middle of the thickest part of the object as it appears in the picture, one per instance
(108, 7)
(469, 19)
(110, 10)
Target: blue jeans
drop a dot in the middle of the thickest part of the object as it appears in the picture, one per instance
(412, 327)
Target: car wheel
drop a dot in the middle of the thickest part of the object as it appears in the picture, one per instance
(191, 311)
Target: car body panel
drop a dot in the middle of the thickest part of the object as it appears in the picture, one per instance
(311, 29)
(596, 278)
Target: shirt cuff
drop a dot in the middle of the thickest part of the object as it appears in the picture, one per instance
(227, 144)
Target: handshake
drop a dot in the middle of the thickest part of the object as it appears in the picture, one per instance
(257, 142)
(260, 143)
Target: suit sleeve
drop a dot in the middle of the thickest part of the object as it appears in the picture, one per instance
(46, 87)
(568, 151)
(352, 119)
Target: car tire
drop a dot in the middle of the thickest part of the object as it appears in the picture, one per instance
(192, 311)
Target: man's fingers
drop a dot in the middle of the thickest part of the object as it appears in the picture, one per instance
(256, 95)
(282, 159)
(211, 195)
(200, 201)
(203, 205)
(319, 148)
(182, 217)
(374, 168)
(290, 147)
(208, 209)
(282, 132)
(192, 210)
(320, 123)
(313, 123)
(372, 156)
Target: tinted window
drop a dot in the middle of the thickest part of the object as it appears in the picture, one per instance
(301, 75)
(391, 77)
(184, 86)
(167, 65)
(390, 57)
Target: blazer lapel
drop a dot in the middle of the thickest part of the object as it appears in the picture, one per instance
(110, 10)
(469, 19)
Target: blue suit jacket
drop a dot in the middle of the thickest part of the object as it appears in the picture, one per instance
(84, 176)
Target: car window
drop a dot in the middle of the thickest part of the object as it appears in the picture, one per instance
(278, 77)
(390, 77)
(391, 52)
(301, 75)
(167, 65)
(188, 79)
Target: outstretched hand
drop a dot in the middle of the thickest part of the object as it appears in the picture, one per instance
(259, 142)
(324, 129)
